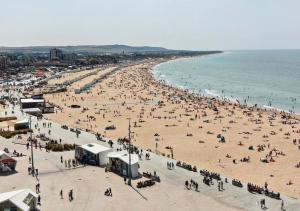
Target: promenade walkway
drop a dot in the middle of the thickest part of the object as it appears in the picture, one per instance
(232, 198)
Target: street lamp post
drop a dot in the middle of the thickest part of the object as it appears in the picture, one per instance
(129, 149)
(32, 162)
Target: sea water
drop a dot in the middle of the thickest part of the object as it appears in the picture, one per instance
(268, 78)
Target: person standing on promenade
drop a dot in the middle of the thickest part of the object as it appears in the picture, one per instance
(262, 203)
(187, 184)
(37, 188)
(39, 200)
(29, 170)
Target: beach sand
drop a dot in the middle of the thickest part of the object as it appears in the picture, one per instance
(188, 124)
(2, 108)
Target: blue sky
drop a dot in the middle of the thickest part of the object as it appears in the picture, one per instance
(175, 24)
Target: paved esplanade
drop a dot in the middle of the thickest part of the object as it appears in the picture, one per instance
(233, 197)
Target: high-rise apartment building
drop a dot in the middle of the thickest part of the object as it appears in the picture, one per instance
(56, 54)
(3, 62)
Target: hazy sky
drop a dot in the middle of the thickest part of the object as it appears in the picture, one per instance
(176, 24)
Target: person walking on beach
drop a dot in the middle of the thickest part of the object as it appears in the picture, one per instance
(71, 195)
(282, 204)
(61, 194)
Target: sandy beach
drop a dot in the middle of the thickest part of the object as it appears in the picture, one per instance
(192, 126)
(2, 108)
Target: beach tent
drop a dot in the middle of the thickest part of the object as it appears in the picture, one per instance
(33, 111)
(7, 163)
(24, 200)
(92, 153)
(32, 103)
(23, 124)
(119, 162)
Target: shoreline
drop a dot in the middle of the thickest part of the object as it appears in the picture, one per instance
(218, 96)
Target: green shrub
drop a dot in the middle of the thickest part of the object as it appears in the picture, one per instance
(3, 119)
(60, 147)
(9, 134)
(68, 147)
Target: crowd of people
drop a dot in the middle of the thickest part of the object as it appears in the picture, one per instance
(255, 188)
(212, 175)
(69, 163)
(186, 166)
(146, 183)
(237, 183)
(151, 176)
(108, 192)
(191, 184)
(170, 165)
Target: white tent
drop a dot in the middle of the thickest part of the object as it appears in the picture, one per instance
(24, 121)
(93, 151)
(124, 157)
(24, 199)
(32, 110)
(22, 124)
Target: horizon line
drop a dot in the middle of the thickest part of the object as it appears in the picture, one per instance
(155, 46)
